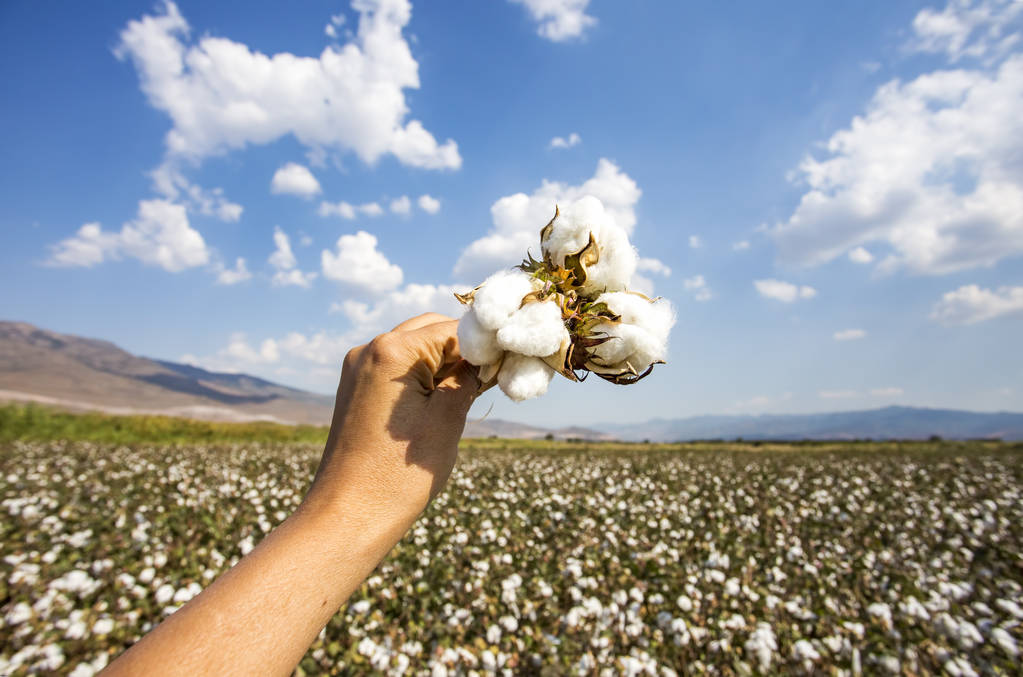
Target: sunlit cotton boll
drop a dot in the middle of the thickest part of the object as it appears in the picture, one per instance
(641, 338)
(500, 296)
(571, 231)
(536, 329)
(523, 377)
(476, 343)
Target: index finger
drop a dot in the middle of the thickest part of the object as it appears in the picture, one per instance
(421, 321)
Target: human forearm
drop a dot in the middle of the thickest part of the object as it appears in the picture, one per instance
(262, 615)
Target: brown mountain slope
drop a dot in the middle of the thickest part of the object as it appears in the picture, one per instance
(88, 373)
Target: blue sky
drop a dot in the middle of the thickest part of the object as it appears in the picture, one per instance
(831, 195)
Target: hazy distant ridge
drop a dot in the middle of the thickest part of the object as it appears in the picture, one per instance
(886, 423)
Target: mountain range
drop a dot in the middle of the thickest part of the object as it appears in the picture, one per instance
(78, 373)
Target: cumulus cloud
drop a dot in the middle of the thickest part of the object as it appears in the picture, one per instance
(849, 334)
(239, 349)
(294, 179)
(785, 292)
(318, 354)
(348, 211)
(220, 95)
(695, 242)
(562, 142)
(656, 266)
(860, 255)
(160, 235)
(172, 184)
(741, 245)
(517, 218)
(971, 304)
(230, 276)
(559, 20)
(428, 204)
(401, 205)
(285, 265)
(967, 28)
(358, 262)
(336, 21)
(931, 170)
(697, 286)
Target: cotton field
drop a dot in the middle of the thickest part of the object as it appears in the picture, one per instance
(557, 561)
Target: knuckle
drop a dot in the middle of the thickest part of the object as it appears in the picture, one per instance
(384, 348)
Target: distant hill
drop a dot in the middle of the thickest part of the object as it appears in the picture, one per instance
(80, 373)
(886, 423)
(497, 428)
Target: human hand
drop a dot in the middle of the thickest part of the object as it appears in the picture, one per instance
(400, 411)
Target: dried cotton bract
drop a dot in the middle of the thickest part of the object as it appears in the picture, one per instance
(571, 312)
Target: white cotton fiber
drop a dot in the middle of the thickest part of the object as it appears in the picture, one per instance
(657, 317)
(641, 338)
(523, 377)
(500, 296)
(571, 231)
(476, 343)
(535, 329)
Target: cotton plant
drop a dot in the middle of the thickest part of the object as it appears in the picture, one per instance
(571, 313)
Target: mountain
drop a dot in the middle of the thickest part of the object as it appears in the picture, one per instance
(81, 373)
(488, 427)
(886, 423)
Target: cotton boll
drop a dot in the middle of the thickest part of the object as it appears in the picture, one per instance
(571, 229)
(477, 344)
(535, 329)
(500, 296)
(656, 317)
(640, 338)
(616, 266)
(623, 342)
(523, 377)
(570, 232)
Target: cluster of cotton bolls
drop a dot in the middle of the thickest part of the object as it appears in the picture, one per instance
(570, 313)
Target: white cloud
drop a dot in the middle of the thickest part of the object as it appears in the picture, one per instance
(401, 205)
(886, 392)
(741, 245)
(518, 218)
(656, 266)
(967, 28)
(336, 21)
(971, 304)
(230, 276)
(221, 95)
(695, 242)
(350, 211)
(559, 19)
(932, 169)
(783, 291)
(837, 394)
(294, 179)
(160, 235)
(561, 142)
(239, 349)
(370, 319)
(359, 263)
(428, 204)
(698, 286)
(283, 260)
(172, 184)
(860, 255)
(849, 334)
